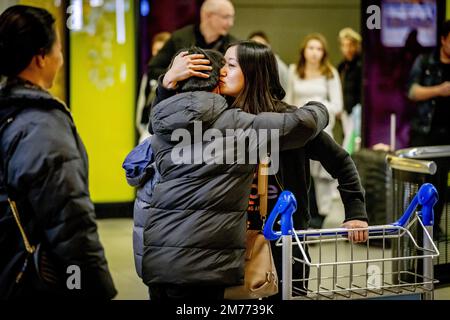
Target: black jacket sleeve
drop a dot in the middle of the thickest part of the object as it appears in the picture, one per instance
(341, 166)
(295, 129)
(50, 168)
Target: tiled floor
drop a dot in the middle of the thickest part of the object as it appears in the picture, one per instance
(116, 236)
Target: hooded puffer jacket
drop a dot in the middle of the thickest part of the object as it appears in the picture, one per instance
(195, 229)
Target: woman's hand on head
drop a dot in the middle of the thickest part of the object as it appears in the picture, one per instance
(184, 66)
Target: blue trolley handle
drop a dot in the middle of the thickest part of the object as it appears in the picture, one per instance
(427, 197)
(286, 206)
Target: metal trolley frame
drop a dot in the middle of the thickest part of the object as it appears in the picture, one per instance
(341, 269)
(408, 170)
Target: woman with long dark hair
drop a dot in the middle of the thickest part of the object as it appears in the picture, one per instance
(261, 91)
(48, 236)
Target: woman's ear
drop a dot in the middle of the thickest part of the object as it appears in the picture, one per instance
(39, 60)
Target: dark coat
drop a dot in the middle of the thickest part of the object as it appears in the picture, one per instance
(427, 72)
(351, 78)
(295, 176)
(45, 169)
(195, 229)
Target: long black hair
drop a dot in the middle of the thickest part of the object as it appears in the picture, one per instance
(24, 33)
(262, 89)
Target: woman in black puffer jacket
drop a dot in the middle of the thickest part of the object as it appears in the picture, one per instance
(44, 169)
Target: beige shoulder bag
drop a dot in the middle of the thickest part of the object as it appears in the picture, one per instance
(260, 278)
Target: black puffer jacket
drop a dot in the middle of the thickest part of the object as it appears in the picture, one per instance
(195, 230)
(351, 77)
(45, 169)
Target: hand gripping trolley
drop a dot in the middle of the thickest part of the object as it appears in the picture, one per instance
(395, 263)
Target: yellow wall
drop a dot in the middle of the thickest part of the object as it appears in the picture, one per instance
(60, 84)
(102, 99)
(448, 9)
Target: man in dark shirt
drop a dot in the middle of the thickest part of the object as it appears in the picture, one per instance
(429, 86)
(442, 113)
(350, 69)
(216, 20)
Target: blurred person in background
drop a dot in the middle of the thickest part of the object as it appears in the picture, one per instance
(216, 20)
(261, 37)
(147, 90)
(350, 71)
(313, 78)
(429, 87)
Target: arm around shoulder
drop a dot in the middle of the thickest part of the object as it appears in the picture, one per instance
(296, 128)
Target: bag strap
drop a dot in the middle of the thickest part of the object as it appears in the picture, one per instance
(30, 249)
(263, 185)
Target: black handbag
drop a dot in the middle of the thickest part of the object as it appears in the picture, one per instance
(31, 271)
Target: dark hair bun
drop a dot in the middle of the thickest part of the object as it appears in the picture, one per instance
(24, 32)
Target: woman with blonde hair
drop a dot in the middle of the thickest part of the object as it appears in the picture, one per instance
(313, 78)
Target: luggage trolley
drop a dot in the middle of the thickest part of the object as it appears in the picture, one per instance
(340, 269)
(408, 170)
